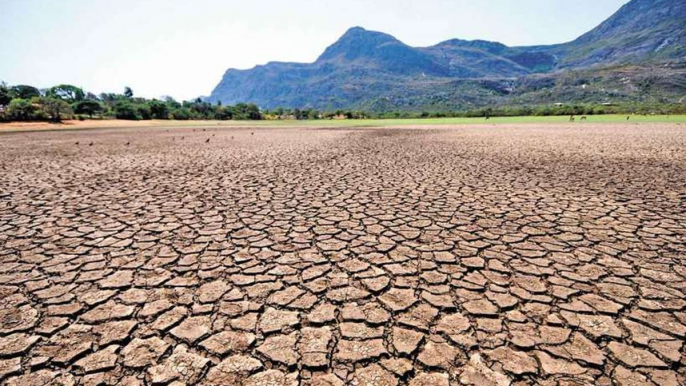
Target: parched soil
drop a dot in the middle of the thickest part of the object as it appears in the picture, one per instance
(509, 255)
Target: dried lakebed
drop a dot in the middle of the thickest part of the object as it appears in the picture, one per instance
(519, 255)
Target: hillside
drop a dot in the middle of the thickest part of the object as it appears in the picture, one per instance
(375, 71)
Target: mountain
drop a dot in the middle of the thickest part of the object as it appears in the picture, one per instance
(636, 54)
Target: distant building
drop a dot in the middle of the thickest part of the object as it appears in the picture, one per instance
(559, 104)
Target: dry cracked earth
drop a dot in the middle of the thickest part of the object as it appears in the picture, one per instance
(519, 255)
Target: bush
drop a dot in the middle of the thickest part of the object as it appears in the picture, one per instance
(181, 114)
(126, 110)
(22, 110)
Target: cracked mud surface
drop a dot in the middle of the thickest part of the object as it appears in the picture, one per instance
(524, 255)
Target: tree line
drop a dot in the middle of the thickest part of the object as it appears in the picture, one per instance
(28, 103)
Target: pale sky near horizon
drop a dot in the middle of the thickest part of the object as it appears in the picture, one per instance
(182, 48)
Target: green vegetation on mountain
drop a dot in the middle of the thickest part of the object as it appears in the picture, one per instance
(637, 55)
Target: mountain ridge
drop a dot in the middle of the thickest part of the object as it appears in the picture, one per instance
(363, 66)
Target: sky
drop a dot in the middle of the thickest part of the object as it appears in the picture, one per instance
(182, 48)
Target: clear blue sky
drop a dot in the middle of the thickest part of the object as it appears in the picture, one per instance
(182, 48)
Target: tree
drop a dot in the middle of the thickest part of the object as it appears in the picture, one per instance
(24, 92)
(158, 109)
(128, 92)
(21, 110)
(53, 107)
(313, 114)
(5, 97)
(67, 92)
(181, 114)
(125, 110)
(87, 106)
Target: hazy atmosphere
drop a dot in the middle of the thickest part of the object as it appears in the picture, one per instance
(343, 193)
(182, 48)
